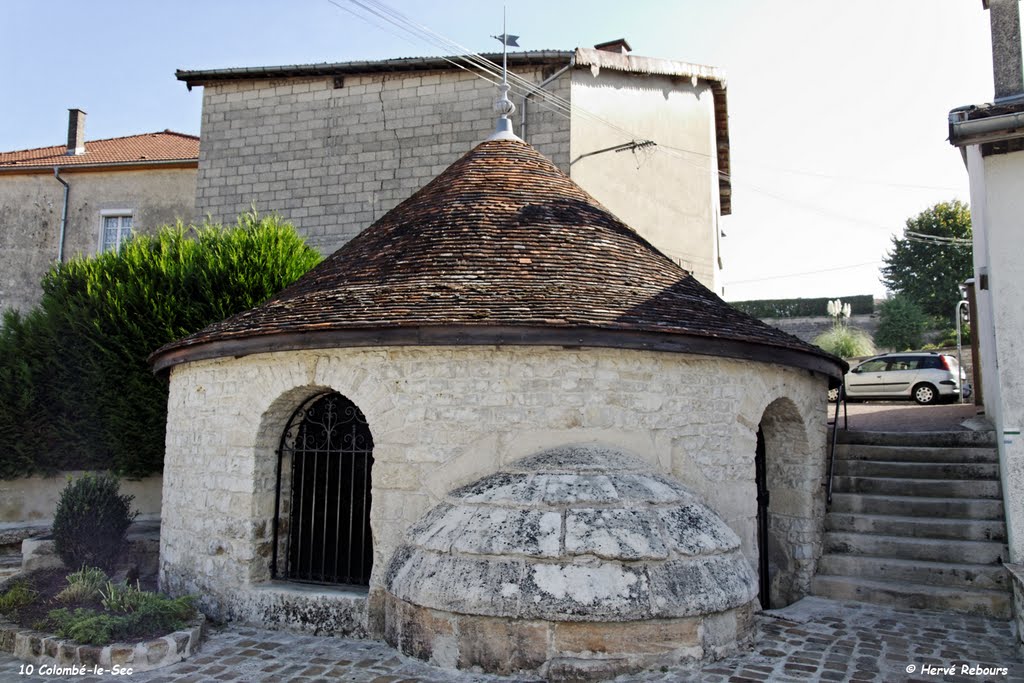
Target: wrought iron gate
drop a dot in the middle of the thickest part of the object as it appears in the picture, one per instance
(325, 460)
(761, 480)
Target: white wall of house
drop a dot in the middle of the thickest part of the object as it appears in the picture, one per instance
(668, 192)
(997, 214)
(30, 215)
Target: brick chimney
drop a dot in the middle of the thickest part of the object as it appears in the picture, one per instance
(76, 132)
(619, 46)
(1007, 68)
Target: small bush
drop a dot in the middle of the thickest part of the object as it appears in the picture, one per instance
(845, 342)
(90, 521)
(18, 595)
(85, 584)
(122, 597)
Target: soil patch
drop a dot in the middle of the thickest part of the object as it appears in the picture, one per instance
(47, 583)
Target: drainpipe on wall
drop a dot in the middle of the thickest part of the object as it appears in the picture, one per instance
(63, 214)
(537, 88)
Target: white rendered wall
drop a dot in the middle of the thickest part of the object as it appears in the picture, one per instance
(446, 416)
(998, 210)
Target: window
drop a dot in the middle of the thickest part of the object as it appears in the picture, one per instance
(872, 366)
(117, 228)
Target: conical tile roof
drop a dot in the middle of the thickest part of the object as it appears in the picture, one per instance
(502, 247)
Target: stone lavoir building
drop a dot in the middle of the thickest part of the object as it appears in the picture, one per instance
(501, 431)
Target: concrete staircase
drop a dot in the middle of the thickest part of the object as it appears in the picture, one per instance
(917, 521)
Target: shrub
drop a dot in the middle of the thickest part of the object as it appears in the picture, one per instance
(18, 595)
(845, 342)
(85, 584)
(901, 324)
(153, 614)
(90, 521)
(76, 391)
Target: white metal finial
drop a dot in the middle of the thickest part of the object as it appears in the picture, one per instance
(503, 106)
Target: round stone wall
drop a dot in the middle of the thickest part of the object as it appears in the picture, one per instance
(443, 417)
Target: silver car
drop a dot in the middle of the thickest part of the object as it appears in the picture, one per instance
(924, 376)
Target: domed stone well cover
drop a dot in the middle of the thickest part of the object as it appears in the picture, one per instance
(576, 562)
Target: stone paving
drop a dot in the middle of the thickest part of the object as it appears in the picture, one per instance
(812, 640)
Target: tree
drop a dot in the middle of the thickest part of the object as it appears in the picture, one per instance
(932, 258)
(901, 324)
(76, 389)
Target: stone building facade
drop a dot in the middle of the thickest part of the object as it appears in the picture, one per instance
(113, 187)
(332, 147)
(504, 347)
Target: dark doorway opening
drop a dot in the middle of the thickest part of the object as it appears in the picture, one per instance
(761, 479)
(326, 454)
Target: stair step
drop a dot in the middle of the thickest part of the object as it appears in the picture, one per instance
(917, 470)
(958, 439)
(908, 548)
(987, 603)
(971, 508)
(847, 451)
(918, 527)
(932, 488)
(983, 576)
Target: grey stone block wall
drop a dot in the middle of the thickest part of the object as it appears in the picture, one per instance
(332, 160)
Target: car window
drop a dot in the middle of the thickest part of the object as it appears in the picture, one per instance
(901, 364)
(931, 363)
(872, 366)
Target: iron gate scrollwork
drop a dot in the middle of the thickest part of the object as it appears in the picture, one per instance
(323, 495)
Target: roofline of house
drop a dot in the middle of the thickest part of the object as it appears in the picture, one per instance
(36, 169)
(979, 124)
(164, 359)
(581, 58)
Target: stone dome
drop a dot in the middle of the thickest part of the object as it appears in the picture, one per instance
(581, 546)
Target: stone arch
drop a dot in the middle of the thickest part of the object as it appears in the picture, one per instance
(272, 476)
(793, 514)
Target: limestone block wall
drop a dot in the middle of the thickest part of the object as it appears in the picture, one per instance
(332, 156)
(442, 417)
(30, 212)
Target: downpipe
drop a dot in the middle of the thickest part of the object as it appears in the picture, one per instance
(63, 214)
(537, 88)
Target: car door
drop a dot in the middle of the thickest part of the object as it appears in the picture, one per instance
(899, 375)
(867, 379)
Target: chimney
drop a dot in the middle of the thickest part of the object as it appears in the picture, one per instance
(76, 132)
(619, 46)
(1007, 69)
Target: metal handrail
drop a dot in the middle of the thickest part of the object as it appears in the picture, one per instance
(840, 399)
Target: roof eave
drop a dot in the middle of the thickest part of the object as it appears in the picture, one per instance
(102, 166)
(174, 354)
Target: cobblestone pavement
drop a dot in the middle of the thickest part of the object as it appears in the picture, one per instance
(904, 416)
(813, 640)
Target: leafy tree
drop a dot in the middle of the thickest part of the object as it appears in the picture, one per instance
(901, 324)
(76, 390)
(932, 258)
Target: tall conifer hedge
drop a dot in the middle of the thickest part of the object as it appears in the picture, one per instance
(76, 391)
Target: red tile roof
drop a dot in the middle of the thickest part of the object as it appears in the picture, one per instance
(502, 247)
(133, 149)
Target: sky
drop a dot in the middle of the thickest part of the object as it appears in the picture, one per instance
(837, 110)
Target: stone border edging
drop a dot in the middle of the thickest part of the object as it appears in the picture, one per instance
(36, 647)
(39, 648)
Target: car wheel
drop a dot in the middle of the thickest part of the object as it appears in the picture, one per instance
(925, 394)
(833, 395)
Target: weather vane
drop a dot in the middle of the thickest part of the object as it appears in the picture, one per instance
(503, 105)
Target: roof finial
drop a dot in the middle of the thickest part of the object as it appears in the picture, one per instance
(503, 106)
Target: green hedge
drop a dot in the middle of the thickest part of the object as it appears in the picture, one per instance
(76, 391)
(802, 308)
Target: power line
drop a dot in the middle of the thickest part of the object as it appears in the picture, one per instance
(808, 272)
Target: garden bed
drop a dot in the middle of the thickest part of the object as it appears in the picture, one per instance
(28, 632)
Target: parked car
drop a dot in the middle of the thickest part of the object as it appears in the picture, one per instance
(925, 377)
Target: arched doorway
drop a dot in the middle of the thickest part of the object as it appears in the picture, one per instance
(322, 509)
